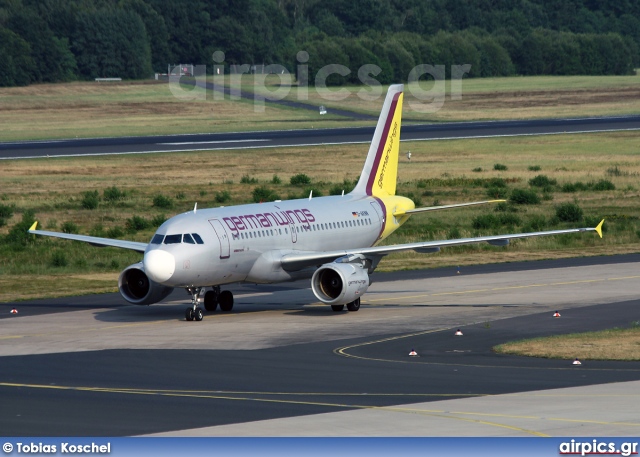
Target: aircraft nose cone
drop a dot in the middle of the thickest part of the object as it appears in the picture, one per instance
(159, 265)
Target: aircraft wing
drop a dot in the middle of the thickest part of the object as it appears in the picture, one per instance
(299, 260)
(93, 240)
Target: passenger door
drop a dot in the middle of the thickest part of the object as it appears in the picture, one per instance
(223, 237)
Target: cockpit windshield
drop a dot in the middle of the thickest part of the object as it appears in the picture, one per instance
(173, 239)
(189, 238)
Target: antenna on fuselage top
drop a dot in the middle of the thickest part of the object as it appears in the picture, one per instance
(195, 208)
(343, 192)
(310, 194)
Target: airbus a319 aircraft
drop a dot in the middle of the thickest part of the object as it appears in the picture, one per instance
(333, 240)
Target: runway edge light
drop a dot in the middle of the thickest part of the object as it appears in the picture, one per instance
(556, 314)
(413, 353)
(458, 332)
(14, 311)
(577, 362)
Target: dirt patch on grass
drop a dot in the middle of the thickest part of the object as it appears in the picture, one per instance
(522, 99)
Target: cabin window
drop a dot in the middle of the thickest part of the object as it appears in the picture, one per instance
(157, 239)
(197, 238)
(280, 231)
(186, 238)
(173, 239)
(286, 231)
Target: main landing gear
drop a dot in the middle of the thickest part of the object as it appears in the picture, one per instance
(352, 306)
(212, 298)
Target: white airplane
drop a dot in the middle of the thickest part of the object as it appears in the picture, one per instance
(333, 240)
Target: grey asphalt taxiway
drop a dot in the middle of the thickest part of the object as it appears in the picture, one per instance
(281, 364)
(309, 137)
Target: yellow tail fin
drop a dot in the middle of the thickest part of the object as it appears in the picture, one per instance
(380, 172)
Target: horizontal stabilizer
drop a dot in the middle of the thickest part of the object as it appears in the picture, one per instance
(437, 208)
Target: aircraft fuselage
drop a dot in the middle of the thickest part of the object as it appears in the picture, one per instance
(244, 243)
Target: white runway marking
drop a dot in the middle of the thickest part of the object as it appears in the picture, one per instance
(212, 142)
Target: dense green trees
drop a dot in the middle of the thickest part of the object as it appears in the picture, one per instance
(110, 43)
(15, 55)
(58, 40)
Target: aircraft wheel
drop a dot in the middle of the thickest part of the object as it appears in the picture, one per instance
(337, 308)
(210, 300)
(189, 314)
(226, 300)
(354, 305)
(197, 315)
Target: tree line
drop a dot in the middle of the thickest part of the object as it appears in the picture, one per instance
(62, 40)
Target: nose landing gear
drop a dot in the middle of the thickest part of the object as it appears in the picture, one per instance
(194, 312)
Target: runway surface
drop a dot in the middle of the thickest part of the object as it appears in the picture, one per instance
(95, 366)
(291, 138)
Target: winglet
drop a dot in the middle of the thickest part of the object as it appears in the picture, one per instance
(599, 228)
(33, 227)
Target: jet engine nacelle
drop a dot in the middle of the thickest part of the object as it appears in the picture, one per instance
(136, 287)
(339, 283)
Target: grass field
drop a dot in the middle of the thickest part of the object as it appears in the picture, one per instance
(90, 109)
(613, 344)
(485, 98)
(440, 172)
